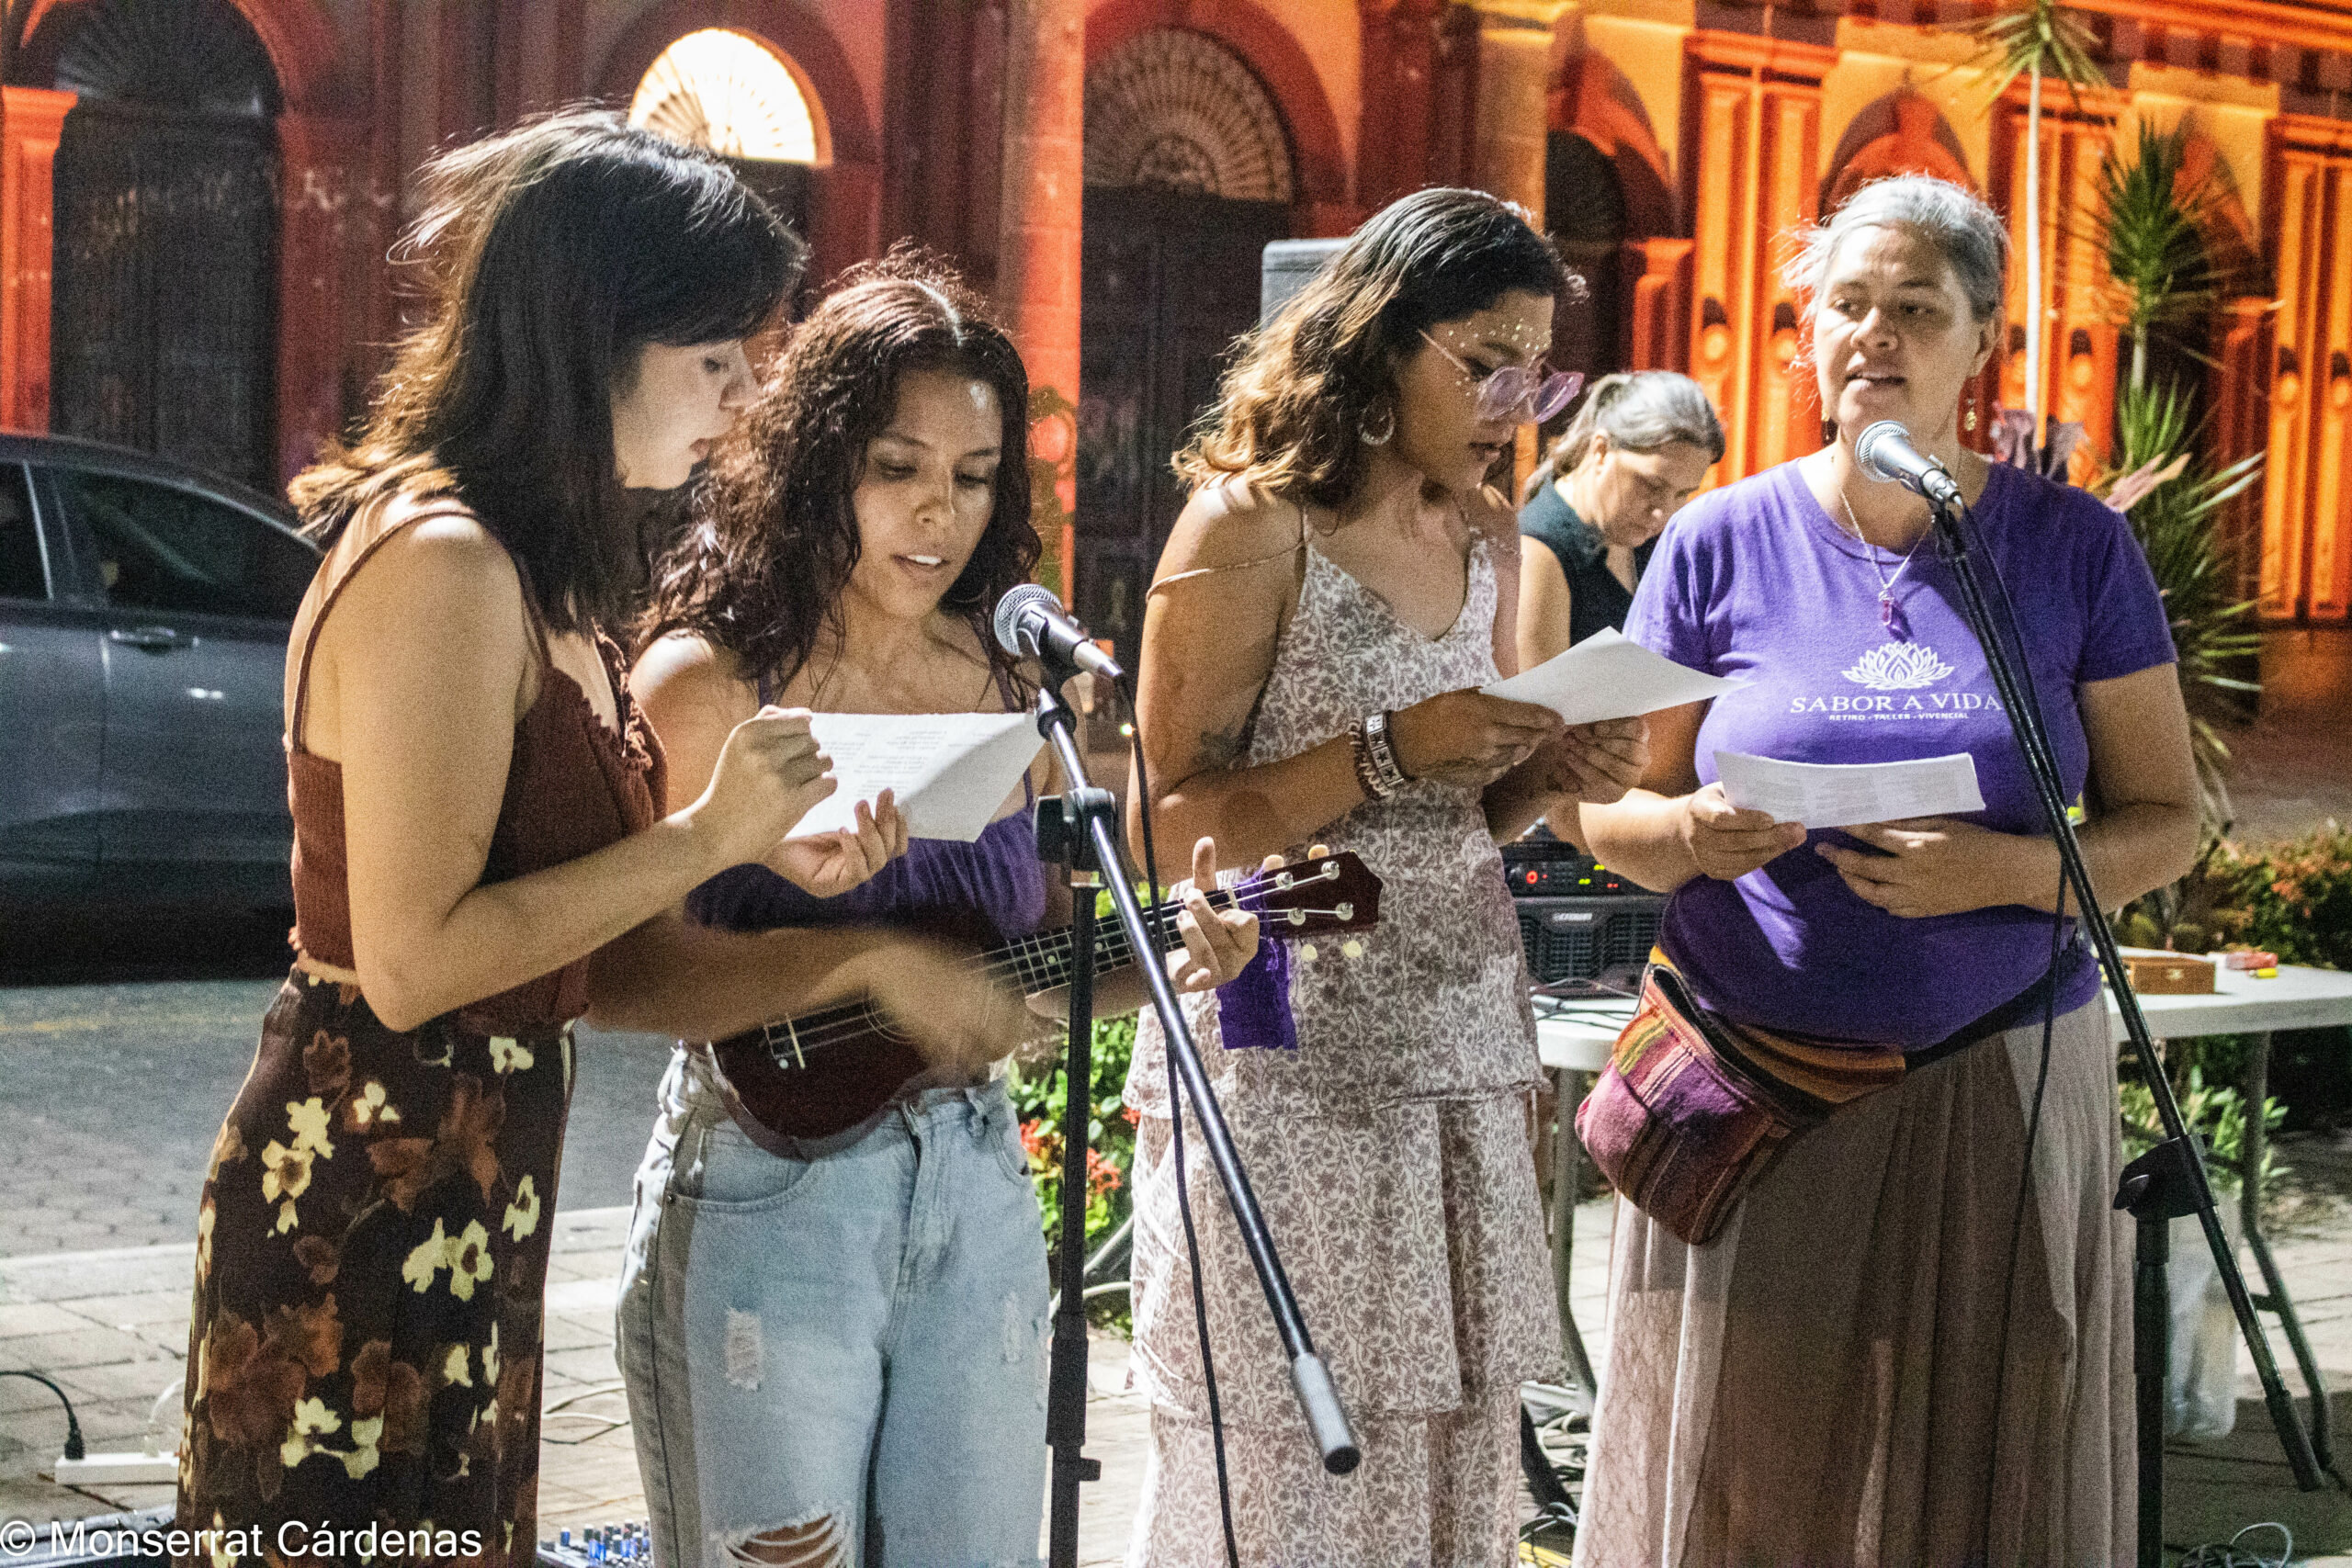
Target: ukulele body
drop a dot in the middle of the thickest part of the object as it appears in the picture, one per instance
(819, 1075)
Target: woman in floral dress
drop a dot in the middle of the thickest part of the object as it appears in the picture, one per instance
(480, 857)
(1340, 586)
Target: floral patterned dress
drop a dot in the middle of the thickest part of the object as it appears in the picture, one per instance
(1390, 1153)
(372, 1242)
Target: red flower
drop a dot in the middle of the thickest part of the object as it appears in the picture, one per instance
(1101, 1176)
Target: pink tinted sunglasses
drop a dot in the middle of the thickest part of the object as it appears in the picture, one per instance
(1510, 391)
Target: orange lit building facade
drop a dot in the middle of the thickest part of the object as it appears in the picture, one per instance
(1110, 169)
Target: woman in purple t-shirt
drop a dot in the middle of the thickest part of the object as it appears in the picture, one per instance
(1892, 1352)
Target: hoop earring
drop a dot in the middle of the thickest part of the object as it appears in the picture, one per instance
(1387, 430)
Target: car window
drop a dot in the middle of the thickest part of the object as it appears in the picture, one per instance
(160, 547)
(21, 573)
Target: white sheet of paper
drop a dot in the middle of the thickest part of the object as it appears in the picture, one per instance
(951, 770)
(1839, 794)
(1607, 677)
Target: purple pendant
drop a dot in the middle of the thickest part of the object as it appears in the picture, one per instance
(1890, 616)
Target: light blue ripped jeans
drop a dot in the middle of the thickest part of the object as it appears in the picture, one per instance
(843, 1357)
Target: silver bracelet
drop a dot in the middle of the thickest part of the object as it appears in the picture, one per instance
(1382, 749)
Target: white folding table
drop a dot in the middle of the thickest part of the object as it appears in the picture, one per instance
(1573, 1040)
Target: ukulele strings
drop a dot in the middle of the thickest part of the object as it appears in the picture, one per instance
(854, 1021)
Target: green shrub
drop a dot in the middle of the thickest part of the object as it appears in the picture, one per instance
(1037, 1100)
(2293, 899)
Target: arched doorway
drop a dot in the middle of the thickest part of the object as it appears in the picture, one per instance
(164, 322)
(1189, 174)
(746, 101)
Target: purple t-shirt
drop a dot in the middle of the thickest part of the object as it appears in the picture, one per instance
(1755, 580)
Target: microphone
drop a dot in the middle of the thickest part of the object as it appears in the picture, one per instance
(1032, 624)
(1885, 452)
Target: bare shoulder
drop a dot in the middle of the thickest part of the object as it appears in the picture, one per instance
(1234, 527)
(447, 557)
(683, 665)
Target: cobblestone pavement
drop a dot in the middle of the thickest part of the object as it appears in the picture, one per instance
(111, 1327)
(110, 1096)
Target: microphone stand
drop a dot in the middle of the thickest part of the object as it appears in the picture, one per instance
(2169, 1180)
(1080, 829)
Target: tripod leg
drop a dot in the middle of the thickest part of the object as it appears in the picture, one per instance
(2151, 1353)
(1566, 1164)
(1543, 1480)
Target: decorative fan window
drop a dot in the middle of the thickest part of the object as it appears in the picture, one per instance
(729, 93)
(200, 55)
(1175, 110)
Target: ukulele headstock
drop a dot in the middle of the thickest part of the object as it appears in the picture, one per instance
(1330, 893)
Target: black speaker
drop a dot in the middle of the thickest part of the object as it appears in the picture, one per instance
(1284, 269)
(1606, 938)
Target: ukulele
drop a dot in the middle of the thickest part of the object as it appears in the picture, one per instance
(824, 1072)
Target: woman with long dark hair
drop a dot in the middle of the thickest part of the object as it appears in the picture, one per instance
(481, 855)
(835, 1348)
(1337, 589)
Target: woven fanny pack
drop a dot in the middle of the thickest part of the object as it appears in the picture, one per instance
(1692, 1106)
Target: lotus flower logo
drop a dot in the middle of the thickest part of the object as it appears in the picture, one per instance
(1898, 667)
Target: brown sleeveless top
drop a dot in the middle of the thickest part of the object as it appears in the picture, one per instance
(574, 787)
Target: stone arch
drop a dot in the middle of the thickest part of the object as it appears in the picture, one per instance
(297, 35)
(1280, 65)
(1902, 133)
(1592, 98)
(845, 217)
(1174, 109)
(671, 115)
(805, 44)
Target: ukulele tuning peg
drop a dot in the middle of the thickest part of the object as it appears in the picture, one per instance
(1309, 953)
(1351, 948)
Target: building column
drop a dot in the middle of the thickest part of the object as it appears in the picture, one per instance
(1038, 248)
(2241, 425)
(1754, 173)
(1657, 295)
(2306, 564)
(324, 215)
(31, 118)
(1513, 116)
(2079, 335)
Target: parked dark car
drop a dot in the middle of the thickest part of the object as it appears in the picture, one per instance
(144, 607)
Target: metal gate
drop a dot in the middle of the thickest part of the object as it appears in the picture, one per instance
(1169, 281)
(163, 313)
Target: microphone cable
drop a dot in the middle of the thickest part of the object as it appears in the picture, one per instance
(1176, 1128)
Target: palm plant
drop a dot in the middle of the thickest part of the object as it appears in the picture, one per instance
(2154, 228)
(2175, 522)
(2034, 39)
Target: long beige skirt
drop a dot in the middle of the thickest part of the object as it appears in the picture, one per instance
(1856, 1371)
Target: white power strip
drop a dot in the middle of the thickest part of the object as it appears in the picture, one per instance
(117, 1470)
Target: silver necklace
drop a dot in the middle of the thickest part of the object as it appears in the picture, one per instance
(1889, 614)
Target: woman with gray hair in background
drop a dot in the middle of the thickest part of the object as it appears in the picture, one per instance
(1908, 1340)
(1638, 447)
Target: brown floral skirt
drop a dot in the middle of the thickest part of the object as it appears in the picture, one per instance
(371, 1255)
